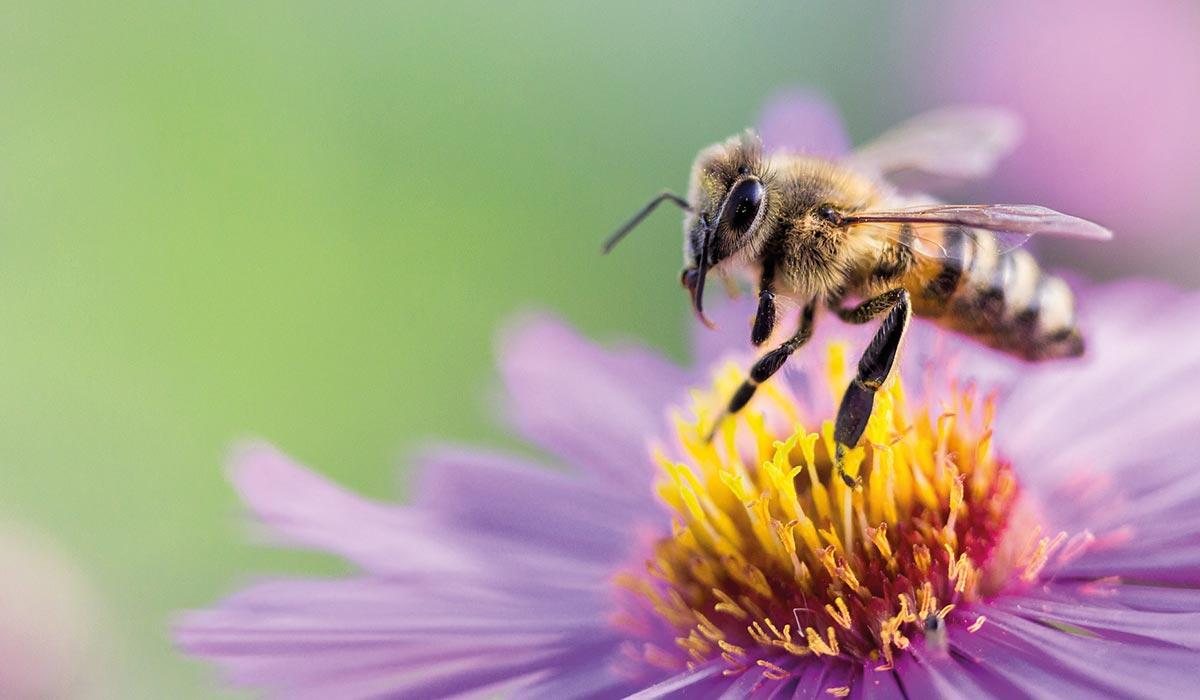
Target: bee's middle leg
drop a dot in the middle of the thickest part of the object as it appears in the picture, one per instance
(874, 368)
(766, 366)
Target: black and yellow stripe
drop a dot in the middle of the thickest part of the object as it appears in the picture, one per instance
(1001, 298)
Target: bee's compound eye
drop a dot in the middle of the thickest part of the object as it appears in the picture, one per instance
(744, 201)
(688, 278)
(934, 623)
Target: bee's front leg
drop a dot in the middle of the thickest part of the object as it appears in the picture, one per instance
(764, 318)
(768, 365)
(874, 368)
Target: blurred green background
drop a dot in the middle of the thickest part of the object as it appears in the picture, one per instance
(306, 222)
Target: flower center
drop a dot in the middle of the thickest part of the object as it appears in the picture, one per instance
(772, 554)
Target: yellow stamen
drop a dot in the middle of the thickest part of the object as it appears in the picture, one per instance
(773, 672)
(765, 528)
(841, 615)
(1041, 555)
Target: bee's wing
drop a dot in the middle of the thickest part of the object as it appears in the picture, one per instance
(954, 142)
(1015, 219)
(940, 241)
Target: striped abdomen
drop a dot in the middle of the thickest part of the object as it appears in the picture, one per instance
(1003, 299)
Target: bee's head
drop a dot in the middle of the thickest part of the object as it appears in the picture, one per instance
(730, 202)
(728, 207)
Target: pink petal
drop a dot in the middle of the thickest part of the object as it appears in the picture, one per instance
(592, 407)
(506, 497)
(1047, 662)
(800, 121)
(1102, 611)
(698, 683)
(306, 510)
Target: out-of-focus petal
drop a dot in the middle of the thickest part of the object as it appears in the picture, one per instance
(1069, 68)
(592, 407)
(1132, 485)
(1139, 555)
(361, 610)
(484, 492)
(48, 621)
(732, 318)
(799, 121)
(354, 638)
(303, 509)
(1140, 377)
(583, 678)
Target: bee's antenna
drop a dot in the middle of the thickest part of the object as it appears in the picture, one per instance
(620, 233)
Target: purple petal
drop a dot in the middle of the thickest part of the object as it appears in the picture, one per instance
(505, 497)
(376, 638)
(489, 676)
(745, 686)
(800, 121)
(314, 613)
(1068, 159)
(1176, 561)
(783, 690)
(1050, 663)
(1104, 612)
(478, 678)
(703, 682)
(1143, 526)
(939, 676)
(818, 676)
(583, 678)
(1050, 418)
(303, 509)
(1012, 662)
(730, 339)
(590, 406)
(877, 685)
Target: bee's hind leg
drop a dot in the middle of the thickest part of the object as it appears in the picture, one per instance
(872, 308)
(766, 366)
(874, 368)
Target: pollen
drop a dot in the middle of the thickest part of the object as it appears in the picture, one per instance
(771, 554)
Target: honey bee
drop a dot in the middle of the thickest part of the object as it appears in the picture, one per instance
(837, 235)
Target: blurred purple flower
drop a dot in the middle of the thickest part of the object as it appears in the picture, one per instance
(805, 121)
(48, 636)
(1108, 91)
(508, 579)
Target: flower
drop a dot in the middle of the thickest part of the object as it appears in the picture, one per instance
(1022, 531)
(803, 121)
(1107, 92)
(48, 621)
